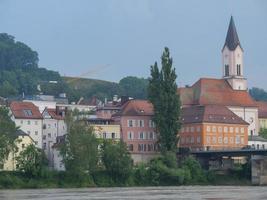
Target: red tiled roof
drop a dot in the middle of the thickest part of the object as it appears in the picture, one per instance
(54, 115)
(208, 91)
(262, 108)
(136, 108)
(25, 110)
(210, 114)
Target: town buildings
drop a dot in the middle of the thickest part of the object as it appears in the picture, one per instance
(29, 119)
(212, 127)
(22, 141)
(138, 129)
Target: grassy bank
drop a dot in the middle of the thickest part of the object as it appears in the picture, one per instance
(15, 180)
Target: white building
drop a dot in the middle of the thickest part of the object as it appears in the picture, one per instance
(29, 119)
(53, 126)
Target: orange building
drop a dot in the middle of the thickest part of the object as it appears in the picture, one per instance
(212, 127)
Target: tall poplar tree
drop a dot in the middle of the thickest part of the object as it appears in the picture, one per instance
(162, 93)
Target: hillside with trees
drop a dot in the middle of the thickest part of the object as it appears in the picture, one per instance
(258, 94)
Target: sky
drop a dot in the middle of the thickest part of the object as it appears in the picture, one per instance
(111, 39)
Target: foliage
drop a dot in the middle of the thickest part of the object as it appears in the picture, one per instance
(134, 87)
(19, 72)
(263, 132)
(117, 161)
(80, 149)
(162, 92)
(32, 161)
(196, 172)
(7, 134)
(258, 94)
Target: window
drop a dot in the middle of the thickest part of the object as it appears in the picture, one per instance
(29, 122)
(237, 139)
(140, 147)
(27, 112)
(36, 132)
(104, 135)
(150, 147)
(192, 129)
(140, 123)
(36, 122)
(49, 125)
(182, 140)
(231, 140)
(198, 129)
(187, 141)
(214, 140)
(130, 135)
(23, 146)
(237, 130)
(214, 129)
(21, 121)
(130, 147)
(220, 129)
(44, 137)
(141, 136)
(231, 129)
(44, 145)
(226, 70)
(225, 129)
(49, 135)
(208, 128)
(130, 123)
(113, 135)
(225, 140)
(242, 130)
(242, 140)
(198, 139)
(36, 142)
(151, 135)
(192, 139)
(238, 69)
(219, 140)
(208, 139)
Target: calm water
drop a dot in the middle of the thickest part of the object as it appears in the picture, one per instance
(185, 193)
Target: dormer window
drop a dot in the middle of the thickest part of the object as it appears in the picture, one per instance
(27, 112)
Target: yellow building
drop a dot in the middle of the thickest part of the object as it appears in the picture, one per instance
(105, 128)
(22, 141)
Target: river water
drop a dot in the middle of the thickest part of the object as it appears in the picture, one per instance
(147, 193)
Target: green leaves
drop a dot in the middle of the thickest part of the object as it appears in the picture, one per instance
(117, 161)
(31, 161)
(162, 93)
(7, 134)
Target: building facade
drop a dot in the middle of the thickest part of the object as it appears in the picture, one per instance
(29, 119)
(138, 129)
(212, 128)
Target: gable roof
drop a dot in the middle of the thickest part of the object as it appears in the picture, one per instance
(232, 40)
(210, 114)
(207, 91)
(262, 108)
(136, 108)
(53, 114)
(25, 110)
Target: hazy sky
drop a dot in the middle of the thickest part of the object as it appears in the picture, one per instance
(110, 39)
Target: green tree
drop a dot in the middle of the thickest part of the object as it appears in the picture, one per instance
(258, 94)
(263, 132)
(117, 161)
(80, 149)
(7, 134)
(32, 161)
(134, 87)
(162, 93)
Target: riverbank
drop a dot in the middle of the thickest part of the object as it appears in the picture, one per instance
(15, 180)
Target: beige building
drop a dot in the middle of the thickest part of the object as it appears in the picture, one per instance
(262, 107)
(23, 140)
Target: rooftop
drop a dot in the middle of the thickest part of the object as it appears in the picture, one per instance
(25, 110)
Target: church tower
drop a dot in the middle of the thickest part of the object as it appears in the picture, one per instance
(232, 58)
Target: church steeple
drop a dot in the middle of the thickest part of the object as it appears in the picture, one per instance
(232, 57)
(232, 40)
